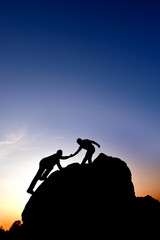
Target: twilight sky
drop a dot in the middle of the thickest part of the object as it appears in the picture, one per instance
(72, 69)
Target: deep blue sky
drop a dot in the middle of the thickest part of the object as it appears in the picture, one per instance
(72, 69)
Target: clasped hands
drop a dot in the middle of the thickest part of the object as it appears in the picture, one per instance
(71, 155)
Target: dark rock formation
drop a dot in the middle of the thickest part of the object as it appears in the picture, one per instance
(84, 201)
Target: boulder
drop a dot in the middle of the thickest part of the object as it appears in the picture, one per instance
(79, 198)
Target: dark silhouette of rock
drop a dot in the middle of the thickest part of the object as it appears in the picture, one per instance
(88, 200)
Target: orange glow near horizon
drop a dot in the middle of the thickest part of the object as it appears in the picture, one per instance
(12, 212)
(7, 221)
(17, 179)
(72, 69)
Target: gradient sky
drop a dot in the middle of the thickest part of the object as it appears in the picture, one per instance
(72, 69)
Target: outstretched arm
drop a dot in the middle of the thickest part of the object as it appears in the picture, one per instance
(95, 143)
(79, 149)
(66, 157)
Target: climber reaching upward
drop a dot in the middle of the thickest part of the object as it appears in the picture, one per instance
(45, 167)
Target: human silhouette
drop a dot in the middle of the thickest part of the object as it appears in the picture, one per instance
(45, 167)
(87, 145)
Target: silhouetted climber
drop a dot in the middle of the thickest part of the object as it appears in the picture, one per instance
(45, 167)
(87, 145)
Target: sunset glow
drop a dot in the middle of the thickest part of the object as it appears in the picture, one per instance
(72, 69)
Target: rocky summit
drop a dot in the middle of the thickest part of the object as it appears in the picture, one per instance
(85, 201)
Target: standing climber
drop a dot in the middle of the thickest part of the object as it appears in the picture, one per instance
(87, 145)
